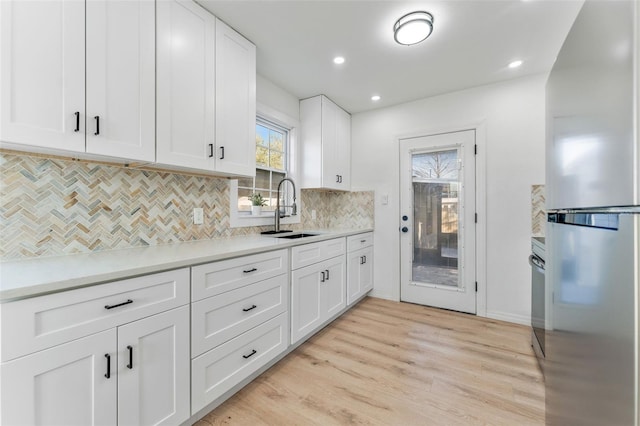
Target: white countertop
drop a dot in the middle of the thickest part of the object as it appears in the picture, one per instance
(34, 277)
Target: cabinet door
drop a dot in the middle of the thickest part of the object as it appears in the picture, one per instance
(153, 369)
(359, 273)
(235, 102)
(330, 153)
(306, 289)
(121, 79)
(334, 298)
(185, 85)
(64, 385)
(42, 76)
(343, 148)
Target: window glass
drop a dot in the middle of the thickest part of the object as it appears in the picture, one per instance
(271, 166)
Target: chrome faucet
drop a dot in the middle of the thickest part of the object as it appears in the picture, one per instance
(294, 208)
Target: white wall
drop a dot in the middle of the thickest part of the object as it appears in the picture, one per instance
(512, 114)
(276, 98)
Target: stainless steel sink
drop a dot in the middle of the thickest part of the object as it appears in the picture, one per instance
(294, 236)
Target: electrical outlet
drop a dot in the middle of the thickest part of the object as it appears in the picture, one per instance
(198, 216)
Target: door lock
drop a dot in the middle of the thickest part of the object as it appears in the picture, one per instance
(405, 229)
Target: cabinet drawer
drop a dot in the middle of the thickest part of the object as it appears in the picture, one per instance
(220, 318)
(220, 369)
(219, 277)
(356, 242)
(308, 254)
(34, 324)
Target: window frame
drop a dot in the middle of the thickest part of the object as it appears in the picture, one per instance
(239, 219)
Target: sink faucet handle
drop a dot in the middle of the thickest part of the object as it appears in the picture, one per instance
(294, 209)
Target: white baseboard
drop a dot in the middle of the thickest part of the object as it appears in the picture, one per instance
(509, 317)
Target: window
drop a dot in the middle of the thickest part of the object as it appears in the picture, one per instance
(272, 143)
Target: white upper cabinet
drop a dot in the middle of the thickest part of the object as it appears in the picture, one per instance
(206, 92)
(235, 102)
(186, 85)
(326, 144)
(121, 79)
(42, 74)
(44, 102)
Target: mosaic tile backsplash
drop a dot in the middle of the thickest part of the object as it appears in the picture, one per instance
(538, 212)
(56, 206)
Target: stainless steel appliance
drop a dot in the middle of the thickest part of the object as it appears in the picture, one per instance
(593, 230)
(538, 297)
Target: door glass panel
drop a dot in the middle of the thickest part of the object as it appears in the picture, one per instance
(436, 183)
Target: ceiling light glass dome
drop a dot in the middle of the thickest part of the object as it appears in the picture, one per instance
(413, 28)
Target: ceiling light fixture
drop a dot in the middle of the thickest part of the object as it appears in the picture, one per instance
(515, 64)
(375, 98)
(338, 60)
(413, 28)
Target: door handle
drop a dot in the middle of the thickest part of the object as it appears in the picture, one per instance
(405, 229)
(130, 365)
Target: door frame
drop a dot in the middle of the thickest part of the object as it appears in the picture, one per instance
(481, 203)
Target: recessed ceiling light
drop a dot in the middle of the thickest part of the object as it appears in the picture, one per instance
(338, 60)
(515, 64)
(375, 98)
(413, 27)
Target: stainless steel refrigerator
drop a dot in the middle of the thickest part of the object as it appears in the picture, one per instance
(593, 229)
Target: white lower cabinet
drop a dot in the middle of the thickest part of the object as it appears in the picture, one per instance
(136, 374)
(318, 292)
(153, 369)
(64, 385)
(115, 353)
(360, 273)
(220, 369)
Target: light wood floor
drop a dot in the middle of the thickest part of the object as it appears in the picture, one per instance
(388, 363)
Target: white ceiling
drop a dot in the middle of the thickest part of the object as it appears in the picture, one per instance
(472, 43)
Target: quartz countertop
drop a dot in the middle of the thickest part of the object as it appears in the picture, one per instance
(38, 276)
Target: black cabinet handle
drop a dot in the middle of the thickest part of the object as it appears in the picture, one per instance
(337, 178)
(253, 352)
(340, 181)
(327, 274)
(362, 260)
(108, 375)
(250, 270)
(365, 259)
(210, 150)
(130, 365)
(119, 304)
(77, 114)
(249, 309)
(97, 125)
(322, 279)
(222, 153)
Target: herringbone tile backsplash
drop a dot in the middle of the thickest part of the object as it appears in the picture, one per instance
(56, 206)
(538, 211)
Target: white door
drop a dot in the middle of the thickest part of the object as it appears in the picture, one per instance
(121, 79)
(437, 224)
(185, 85)
(153, 369)
(235, 102)
(334, 297)
(42, 48)
(306, 294)
(70, 384)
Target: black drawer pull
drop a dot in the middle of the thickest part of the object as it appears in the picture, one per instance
(108, 375)
(250, 270)
(77, 129)
(253, 352)
(363, 241)
(119, 304)
(327, 275)
(249, 309)
(130, 365)
(97, 118)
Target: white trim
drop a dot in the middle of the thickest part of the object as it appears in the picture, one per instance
(238, 220)
(481, 204)
(509, 317)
